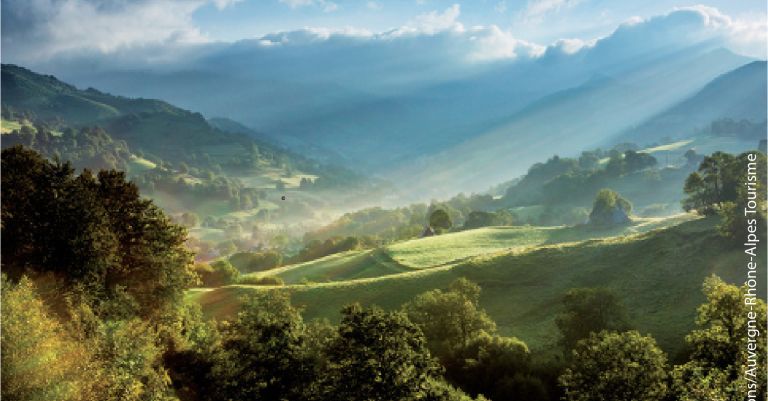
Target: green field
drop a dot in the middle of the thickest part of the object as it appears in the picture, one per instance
(658, 274)
(449, 249)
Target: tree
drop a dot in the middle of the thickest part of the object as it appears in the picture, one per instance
(721, 347)
(612, 366)
(496, 366)
(636, 161)
(40, 359)
(262, 354)
(609, 208)
(477, 219)
(450, 318)
(378, 355)
(216, 274)
(439, 220)
(589, 310)
(736, 223)
(715, 182)
(95, 232)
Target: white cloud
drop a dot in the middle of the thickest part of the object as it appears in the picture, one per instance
(501, 7)
(374, 5)
(39, 29)
(145, 31)
(325, 5)
(222, 4)
(537, 8)
(435, 21)
(689, 25)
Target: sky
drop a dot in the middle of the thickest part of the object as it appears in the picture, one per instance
(36, 31)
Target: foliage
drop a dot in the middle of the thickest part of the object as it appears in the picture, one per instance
(496, 366)
(316, 249)
(262, 353)
(450, 318)
(737, 224)
(439, 220)
(378, 356)
(721, 349)
(477, 219)
(612, 366)
(589, 310)
(249, 262)
(260, 280)
(715, 182)
(93, 231)
(216, 274)
(40, 359)
(609, 208)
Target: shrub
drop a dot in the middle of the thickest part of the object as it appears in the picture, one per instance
(264, 280)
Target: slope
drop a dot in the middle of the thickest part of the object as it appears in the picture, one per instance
(658, 275)
(737, 94)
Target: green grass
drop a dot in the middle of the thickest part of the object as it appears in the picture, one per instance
(449, 249)
(658, 274)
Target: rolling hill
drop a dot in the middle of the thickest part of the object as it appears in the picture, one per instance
(657, 273)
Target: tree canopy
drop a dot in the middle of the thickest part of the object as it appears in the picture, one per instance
(93, 231)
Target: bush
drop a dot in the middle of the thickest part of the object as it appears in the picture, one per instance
(249, 262)
(265, 280)
(216, 274)
(616, 367)
(610, 208)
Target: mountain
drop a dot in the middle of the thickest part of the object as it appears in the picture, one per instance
(738, 94)
(154, 127)
(585, 116)
(435, 137)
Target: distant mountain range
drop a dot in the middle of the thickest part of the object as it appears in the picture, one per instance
(430, 139)
(154, 127)
(438, 137)
(738, 94)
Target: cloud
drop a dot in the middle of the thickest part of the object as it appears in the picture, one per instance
(686, 26)
(40, 29)
(325, 5)
(538, 8)
(222, 4)
(435, 21)
(374, 5)
(501, 7)
(143, 32)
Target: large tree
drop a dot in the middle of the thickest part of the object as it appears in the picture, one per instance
(721, 348)
(612, 366)
(263, 354)
(450, 318)
(590, 310)
(379, 355)
(93, 231)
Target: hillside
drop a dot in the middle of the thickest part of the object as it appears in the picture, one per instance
(151, 126)
(658, 274)
(448, 250)
(738, 94)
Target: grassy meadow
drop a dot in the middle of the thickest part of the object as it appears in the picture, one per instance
(657, 271)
